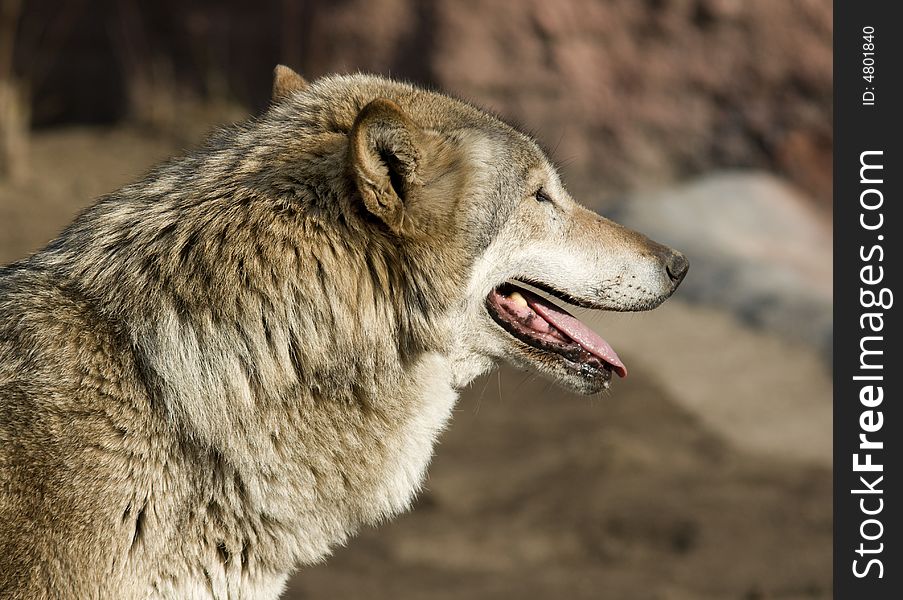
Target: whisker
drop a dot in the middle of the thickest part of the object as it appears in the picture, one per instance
(480, 397)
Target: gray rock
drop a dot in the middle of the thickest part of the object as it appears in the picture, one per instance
(756, 247)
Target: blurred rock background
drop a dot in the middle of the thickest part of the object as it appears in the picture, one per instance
(628, 93)
(704, 123)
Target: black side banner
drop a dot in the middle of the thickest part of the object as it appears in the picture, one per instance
(868, 436)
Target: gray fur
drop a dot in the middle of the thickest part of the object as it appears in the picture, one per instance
(221, 371)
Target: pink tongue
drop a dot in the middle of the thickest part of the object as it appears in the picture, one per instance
(568, 324)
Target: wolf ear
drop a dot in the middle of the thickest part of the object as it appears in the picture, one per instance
(285, 83)
(385, 153)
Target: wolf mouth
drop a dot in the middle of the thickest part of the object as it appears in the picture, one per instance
(545, 326)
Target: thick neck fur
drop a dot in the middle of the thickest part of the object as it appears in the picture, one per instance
(268, 329)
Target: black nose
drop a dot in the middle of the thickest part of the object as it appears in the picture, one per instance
(677, 266)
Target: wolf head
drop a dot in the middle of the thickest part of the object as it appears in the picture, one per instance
(481, 210)
(356, 225)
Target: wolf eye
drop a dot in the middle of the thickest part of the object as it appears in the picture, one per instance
(542, 196)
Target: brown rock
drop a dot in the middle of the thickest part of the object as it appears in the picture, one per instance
(627, 93)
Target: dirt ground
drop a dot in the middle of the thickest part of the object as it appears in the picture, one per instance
(706, 474)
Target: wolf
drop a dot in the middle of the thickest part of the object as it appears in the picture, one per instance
(222, 371)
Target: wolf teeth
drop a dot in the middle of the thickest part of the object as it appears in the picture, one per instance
(518, 299)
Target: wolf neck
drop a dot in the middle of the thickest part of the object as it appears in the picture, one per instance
(324, 334)
(302, 361)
